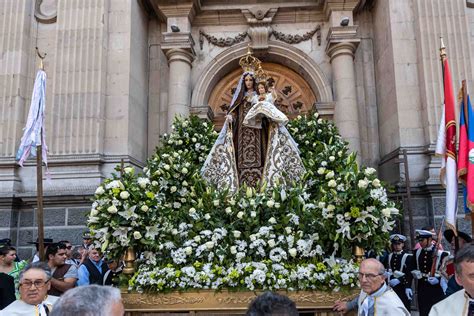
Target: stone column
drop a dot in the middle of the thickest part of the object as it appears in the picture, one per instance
(179, 92)
(346, 116)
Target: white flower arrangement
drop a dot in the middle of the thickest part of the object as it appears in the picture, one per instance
(191, 235)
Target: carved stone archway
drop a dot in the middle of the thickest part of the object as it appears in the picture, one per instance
(279, 53)
(294, 93)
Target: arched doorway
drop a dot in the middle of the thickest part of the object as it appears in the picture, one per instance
(294, 93)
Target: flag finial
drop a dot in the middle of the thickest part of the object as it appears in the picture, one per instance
(41, 65)
(442, 50)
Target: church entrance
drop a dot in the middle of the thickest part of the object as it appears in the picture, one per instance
(295, 96)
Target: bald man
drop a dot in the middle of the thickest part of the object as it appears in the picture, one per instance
(375, 295)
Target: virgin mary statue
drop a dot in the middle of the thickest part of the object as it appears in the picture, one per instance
(254, 145)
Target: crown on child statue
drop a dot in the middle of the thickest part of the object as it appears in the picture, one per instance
(249, 62)
(260, 75)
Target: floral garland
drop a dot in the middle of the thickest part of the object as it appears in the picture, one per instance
(191, 235)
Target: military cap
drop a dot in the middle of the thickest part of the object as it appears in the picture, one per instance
(397, 238)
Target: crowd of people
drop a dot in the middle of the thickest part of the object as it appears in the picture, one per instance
(64, 268)
(444, 283)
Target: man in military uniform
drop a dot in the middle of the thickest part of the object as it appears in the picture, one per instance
(397, 264)
(429, 288)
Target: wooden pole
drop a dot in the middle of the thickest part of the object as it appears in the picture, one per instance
(39, 181)
(410, 212)
(39, 196)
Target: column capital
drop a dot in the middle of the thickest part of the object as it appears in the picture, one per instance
(342, 40)
(178, 46)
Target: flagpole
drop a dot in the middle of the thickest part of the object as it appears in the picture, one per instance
(39, 184)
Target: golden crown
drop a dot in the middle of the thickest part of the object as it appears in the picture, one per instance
(260, 74)
(249, 62)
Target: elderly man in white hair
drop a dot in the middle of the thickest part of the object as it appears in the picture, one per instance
(80, 301)
(375, 294)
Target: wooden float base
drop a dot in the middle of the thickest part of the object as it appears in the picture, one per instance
(209, 302)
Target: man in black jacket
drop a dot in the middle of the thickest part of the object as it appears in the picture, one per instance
(7, 290)
(93, 269)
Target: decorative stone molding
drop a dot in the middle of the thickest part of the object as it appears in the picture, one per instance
(259, 19)
(343, 48)
(295, 39)
(221, 42)
(46, 11)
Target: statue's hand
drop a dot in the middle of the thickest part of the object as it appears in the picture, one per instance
(229, 118)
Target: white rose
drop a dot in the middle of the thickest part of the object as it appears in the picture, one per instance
(332, 158)
(362, 184)
(197, 238)
(330, 175)
(369, 171)
(253, 214)
(137, 235)
(272, 220)
(188, 250)
(112, 209)
(167, 167)
(332, 183)
(271, 243)
(228, 210)
(233, 250)
(240, 215)
(207, 216)
(277, 205)
(124, 195)
(324, 163)
(386, 212)
(192, 211)
(394, 211)
(321, 204)
(288, 230)
(376, 183)
(179, 142)
(173, 189)
(185, 184)
(316, 115)
(331, 207)
(253, 237)
(237, 233)
(215, 202)
(174, 231)
(292, 252)
(270, 203)
(209, 245)
(321, 170)
(184, 170)
(144, 208)
(94, 212)
(99, 190)
(128, 170)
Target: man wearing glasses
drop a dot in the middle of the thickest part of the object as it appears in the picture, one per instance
(375, 295)
(34, 286)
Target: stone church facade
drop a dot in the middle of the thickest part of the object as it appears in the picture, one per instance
(120, 70)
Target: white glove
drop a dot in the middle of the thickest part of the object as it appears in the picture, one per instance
(388, 274)
(409, 293)
(394, 282)
(444, 285)
(432, 280)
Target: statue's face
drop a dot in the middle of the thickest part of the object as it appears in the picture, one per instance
(249, 82)
(261, 89)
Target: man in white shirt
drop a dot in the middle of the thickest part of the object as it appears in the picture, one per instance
(375, 294)
(34, 286)
(461, 303)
